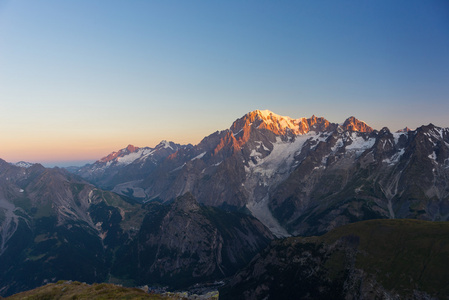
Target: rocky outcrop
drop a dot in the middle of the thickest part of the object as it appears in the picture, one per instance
(185, 243)
(352, 124)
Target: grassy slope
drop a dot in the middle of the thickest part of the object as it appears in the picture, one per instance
(76, 290)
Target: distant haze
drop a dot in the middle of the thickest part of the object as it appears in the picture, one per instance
(64, 164)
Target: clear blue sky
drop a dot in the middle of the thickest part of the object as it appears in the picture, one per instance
(79, 79)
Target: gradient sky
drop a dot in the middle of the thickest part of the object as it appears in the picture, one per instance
(79, 79)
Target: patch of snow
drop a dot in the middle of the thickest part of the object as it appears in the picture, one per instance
(254, 153)
(132, 157)
(395, 158)
(324, 159)
(359, 143)
(338, 144)
(199, 156)
(318, 138)
(396, 137)
(234, 134)
(178, 168)
(440, 132)
(129, 158)
(280, 158)
(166, 144)
(147, 152)
(432, 156)
(23, 164)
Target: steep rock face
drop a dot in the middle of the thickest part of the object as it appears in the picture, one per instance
(352, 124)
(379, 259)
(357, 176)
(55, 225)
(184, 243)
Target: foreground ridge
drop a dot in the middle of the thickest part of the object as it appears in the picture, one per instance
(385, 259)
(66, 290)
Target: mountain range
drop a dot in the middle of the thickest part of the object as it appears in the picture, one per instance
(179, 215)
(297, 176)
(56, 225)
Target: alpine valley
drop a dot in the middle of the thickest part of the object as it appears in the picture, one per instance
(271, 208)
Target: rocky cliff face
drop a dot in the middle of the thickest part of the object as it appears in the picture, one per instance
(381, 259)
(185, 243)
(353, 176)
(54, 225)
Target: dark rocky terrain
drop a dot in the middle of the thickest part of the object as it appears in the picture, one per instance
(377, 259)
(55, 225)
(184, 243)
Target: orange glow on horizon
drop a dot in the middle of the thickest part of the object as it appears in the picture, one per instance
(63, 148)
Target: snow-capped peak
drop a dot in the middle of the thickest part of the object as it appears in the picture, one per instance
(269, 114)
(165, 144)
(280, 125)
(23, 164)
(114, 155)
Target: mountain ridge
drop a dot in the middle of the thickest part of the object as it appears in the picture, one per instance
(287, 172)
(54, 225)
(375, 259)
